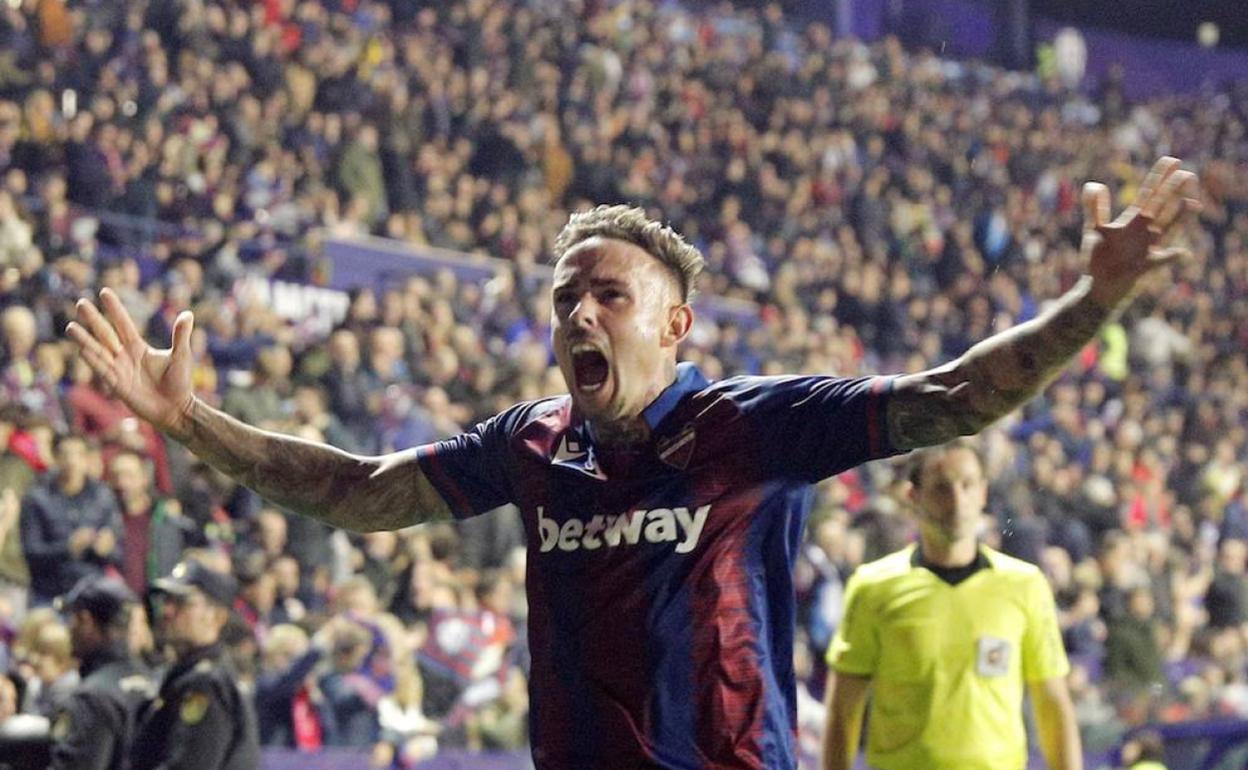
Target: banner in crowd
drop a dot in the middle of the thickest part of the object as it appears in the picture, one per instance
(964, 28)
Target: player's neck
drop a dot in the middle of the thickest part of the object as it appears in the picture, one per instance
(945, 553)
(633, 430)
(620, 433)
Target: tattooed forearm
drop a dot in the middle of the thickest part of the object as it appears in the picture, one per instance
(920, 416)
(357, 493)
(995, 376)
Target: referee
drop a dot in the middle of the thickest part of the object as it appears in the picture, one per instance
(943, 635)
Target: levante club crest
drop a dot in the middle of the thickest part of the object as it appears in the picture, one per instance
(677, 450)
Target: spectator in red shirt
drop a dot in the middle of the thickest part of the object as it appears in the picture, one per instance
(154, 528)
(114, 425)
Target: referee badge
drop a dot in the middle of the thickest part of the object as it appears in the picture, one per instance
(194, 707)
(993, 656)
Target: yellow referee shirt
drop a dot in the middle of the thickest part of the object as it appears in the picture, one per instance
(948, 662)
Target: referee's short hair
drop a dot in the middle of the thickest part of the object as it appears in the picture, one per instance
(920, 458)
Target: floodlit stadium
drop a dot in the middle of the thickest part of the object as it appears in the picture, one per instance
(623, 384)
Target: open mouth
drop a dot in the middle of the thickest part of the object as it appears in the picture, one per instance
(590, 368)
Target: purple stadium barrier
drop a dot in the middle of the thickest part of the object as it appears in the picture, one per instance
(1155, 66)
(378, 262)
(370, 261)
(355, 759)
(963, 28)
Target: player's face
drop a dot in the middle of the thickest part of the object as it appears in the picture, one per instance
(951, 496)
(616, 321)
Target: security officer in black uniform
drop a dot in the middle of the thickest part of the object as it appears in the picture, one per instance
(93, 728)
(199, 719)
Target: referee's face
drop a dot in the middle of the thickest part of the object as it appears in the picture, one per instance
(951, 496)
(617, 319)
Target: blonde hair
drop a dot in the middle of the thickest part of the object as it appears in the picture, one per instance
(630, 223)
(29, 630)
(53, 641)
(287, 639)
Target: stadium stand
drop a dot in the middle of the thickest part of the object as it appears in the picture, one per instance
(864, 208)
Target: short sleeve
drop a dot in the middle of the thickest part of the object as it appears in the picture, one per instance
(472, 470)
(1044, 656)
(855, 649)
(811, 428)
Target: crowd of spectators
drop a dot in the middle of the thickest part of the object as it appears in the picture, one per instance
(884, 209)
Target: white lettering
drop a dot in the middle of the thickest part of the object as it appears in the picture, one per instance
(662, 526)
(693, 529)
(591, 542)
(622, 524)
(288, 299)
(568, 536)
(548, 530)
(316, 308)
(658, 525)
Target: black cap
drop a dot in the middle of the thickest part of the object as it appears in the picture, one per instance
(106, 598)
(189, 575)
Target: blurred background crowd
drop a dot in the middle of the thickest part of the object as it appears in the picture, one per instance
(883, 209)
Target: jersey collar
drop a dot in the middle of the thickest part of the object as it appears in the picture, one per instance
(688, 380)
(981, 557)
(951, 575)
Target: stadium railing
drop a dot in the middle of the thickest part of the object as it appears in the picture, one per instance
(1210, 744)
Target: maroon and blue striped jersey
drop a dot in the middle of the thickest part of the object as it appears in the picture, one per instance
(661, 602)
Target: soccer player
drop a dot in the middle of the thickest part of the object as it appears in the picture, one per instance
(944, 634)
(662, 510)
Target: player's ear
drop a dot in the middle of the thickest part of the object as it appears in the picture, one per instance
(679, 324)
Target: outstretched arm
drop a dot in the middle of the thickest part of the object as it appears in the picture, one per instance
(1004, 371)
(363, 494)
(358, 493)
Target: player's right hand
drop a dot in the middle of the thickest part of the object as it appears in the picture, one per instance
(1145, 236)
(155, 384)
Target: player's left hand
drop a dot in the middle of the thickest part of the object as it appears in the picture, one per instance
(1145, 236)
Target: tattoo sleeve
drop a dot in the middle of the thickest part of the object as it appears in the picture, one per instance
(344, 490)
(995, 376)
